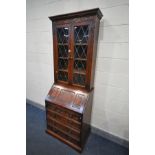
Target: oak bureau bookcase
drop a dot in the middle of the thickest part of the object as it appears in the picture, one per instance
(69, 101)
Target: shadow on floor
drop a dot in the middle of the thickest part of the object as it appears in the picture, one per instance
(40, 143)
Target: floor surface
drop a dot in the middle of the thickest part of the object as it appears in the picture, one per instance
(40, 143)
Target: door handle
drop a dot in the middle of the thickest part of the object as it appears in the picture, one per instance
(70, 57)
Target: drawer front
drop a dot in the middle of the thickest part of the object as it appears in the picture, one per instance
(65, 120)
(64, 112)
(64, 129)
(63, 135)
(65, 123)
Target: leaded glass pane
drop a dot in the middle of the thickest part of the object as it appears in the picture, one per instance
(80, 51)
(63, 41)
(63, 63)
(81, 34)
(63, 35)
(63, 50)
(62, 76)
(79, 79)
(80, 65)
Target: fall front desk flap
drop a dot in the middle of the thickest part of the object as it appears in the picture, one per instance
(67, 97)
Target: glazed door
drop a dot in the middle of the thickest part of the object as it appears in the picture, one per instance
(61, 53)
(80, 66)
(71, 46)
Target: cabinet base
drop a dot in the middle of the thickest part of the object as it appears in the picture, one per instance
(77, 148)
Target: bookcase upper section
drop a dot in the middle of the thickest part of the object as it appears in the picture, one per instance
(75, 37)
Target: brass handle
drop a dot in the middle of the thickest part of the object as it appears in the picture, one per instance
(70, 57)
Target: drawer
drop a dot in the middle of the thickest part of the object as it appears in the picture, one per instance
(64, 112)
(66, 121)
(55, 125)
(63, 135)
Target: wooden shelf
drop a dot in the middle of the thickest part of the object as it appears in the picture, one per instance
(82, 59)
(63, 44)
(82, 86)
(80, 44)
(63, 70)
(63, 57)
(79, 72)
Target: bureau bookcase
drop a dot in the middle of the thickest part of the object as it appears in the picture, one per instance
(69, 101)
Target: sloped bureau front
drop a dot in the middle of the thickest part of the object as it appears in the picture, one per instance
(69, 101)
(72, 99)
